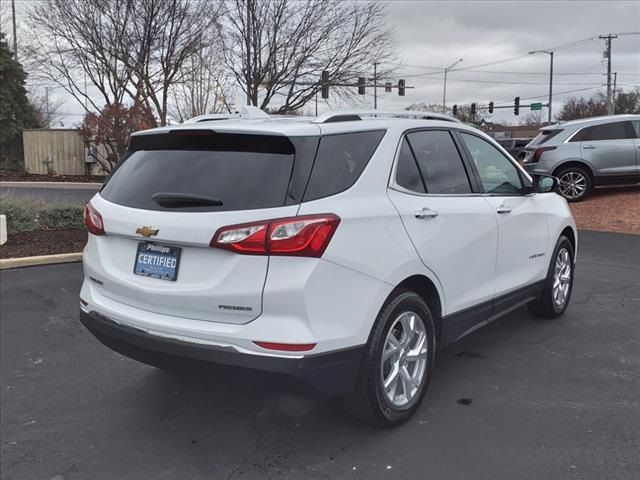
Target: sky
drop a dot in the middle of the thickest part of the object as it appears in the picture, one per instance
(432, 35)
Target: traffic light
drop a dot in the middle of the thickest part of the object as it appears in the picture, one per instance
(324, 84)
(490, 107)
(387, 87)
(473, 110)
(361, 81)
(455, 110)
(516, 105)
(401, 84)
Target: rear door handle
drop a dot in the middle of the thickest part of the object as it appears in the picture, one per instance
(425, 213)
(502, 209)
(589, 147)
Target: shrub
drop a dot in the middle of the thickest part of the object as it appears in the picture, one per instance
(21, 215)
(24, 215)
(61, 217)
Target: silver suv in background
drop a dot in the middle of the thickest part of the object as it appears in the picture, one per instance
(585, 154)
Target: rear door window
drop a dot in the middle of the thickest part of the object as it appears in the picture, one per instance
(340, 160)
(243, 171)
(605, 131)
(439, 162)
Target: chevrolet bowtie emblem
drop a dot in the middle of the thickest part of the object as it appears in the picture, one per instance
(147, 231)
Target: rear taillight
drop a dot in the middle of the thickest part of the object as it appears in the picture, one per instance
(303, 236)
(538, 153)
(93, 220)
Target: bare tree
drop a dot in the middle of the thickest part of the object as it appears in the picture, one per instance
(46, 107)
(123, 49)
(277, 49)
(163, 37)
(205, 87)
(533, 119)
(77, 44)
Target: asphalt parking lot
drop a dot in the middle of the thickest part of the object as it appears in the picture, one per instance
(519, 399)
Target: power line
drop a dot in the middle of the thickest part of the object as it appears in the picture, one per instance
(511, 59)
(496, 62)
(497, 82)
(503, 72)
(565, 92)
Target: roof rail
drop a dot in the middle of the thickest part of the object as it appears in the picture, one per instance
(351, 115)
(246, 113)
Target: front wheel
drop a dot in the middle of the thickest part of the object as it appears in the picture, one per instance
(558, 285)
(397, 363)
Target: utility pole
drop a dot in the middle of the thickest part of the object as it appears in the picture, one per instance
(248, 53)
(15, 33)
(375, 85)
(550, 53)
(613, 99)
(607, 52)
(444, 92)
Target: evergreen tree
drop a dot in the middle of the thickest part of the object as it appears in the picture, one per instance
(16, 112)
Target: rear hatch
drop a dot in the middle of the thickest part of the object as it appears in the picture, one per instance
(164, 203)
(538, 142)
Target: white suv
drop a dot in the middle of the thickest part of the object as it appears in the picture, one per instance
(342, 250)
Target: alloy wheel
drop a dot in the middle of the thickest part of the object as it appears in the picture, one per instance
(404, 359)
(573, 185)
(561, 278)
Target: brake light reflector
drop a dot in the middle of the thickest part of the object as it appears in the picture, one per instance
(538, 153)
(286, 347)
(304, 236)
(93, 220)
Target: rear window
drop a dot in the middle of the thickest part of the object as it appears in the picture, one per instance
(544, 136)
(243, 171)
(340, 161)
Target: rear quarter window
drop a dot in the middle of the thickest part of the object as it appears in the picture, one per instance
(544, 136)
(340, 161)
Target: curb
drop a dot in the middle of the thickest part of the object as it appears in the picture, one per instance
(7, 263)
(63, 185)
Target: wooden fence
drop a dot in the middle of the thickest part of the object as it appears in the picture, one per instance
(56, 152)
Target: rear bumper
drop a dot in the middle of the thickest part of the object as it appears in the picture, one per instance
(331, 373)
(536, 169)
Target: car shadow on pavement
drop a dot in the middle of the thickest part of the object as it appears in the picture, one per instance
(265, 424)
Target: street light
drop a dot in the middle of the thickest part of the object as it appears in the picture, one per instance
(550, 77)
(444, 93)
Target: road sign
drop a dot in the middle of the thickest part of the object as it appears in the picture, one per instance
(536, 106)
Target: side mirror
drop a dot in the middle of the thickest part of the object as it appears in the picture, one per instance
(546, 184)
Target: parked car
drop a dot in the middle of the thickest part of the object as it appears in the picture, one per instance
(585, 154)
(343, 250)
(515, 146)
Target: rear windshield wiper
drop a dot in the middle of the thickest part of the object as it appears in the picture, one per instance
(183, 200)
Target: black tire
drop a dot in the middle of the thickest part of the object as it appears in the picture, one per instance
(564, 175)
(368, 402)
(546, 306)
